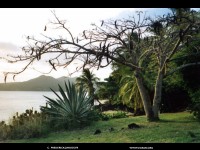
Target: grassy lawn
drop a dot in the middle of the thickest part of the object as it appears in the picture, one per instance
(172, 128)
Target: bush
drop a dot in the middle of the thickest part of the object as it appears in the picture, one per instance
(105, 117)
(3, 130)
(72, 109)
(26, 125)
(195, 106)
(119, 114)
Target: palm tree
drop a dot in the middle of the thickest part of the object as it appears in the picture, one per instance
(88, 80)
(129, 93)
(108, 89)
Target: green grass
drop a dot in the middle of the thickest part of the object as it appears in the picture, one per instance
(172, 128)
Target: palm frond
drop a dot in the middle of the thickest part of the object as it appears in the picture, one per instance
(129, 92)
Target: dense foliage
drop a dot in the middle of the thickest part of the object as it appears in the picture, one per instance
(195, 105)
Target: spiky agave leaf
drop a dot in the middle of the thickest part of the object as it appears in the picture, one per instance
(72, 107)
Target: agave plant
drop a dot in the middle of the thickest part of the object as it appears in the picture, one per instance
(72, 108)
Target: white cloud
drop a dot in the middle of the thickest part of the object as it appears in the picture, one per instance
(7, 46)
(17, 23)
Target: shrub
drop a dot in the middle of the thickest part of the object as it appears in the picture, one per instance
(26, 125)
(3, 130)
(120, 114)
(72, 109)
(105, 117)
(195, 105)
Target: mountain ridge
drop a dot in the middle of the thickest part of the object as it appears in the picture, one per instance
(41, 83)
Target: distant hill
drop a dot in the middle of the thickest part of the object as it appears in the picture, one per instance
(41, 83)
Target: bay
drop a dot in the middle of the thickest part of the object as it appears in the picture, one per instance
(18, 101)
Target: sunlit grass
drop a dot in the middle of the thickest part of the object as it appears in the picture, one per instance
(173, 128)
(111, 112)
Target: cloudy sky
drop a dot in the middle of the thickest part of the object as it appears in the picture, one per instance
(17, 23)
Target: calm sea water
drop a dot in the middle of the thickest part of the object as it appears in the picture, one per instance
(18, 101)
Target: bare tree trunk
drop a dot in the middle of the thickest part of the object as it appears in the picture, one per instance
(145, 97)
(157, 95)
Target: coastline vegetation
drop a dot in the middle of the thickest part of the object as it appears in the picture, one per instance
(172, 128)
(155, 64)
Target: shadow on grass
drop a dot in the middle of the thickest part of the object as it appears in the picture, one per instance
(177, 121)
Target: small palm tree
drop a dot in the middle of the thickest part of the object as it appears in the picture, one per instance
(72, 108)
(129, 92)
(87, 80)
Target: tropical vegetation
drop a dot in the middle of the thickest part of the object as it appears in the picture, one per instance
(72, 109)
(172, 128)
(30, 124)
(156, 69)
(88, 80)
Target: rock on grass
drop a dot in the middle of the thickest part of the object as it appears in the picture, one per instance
(133, 126)
(97, 132)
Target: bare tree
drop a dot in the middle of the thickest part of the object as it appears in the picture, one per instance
(171, 35)
(125, 41)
